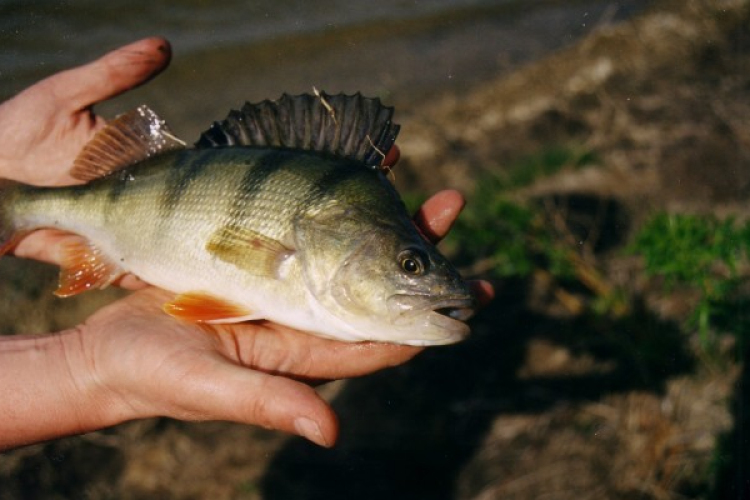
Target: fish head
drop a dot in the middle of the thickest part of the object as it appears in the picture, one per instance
(387, 283)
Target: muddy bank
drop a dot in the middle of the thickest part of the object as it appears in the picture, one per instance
(660, 99)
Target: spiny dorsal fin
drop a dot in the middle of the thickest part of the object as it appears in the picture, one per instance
(126, 140)
(350, 126)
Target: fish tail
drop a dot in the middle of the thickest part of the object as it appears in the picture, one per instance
(8, 232)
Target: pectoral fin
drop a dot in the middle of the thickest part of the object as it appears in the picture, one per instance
(249, 250)
(84, 267)
(200, 307)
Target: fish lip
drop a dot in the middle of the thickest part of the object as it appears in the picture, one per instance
(457, 307)
(446, 315)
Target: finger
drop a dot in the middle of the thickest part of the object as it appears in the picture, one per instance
(392, 156)
(483, 291)
(336, 360)
(110, 75)
(45, 245)
(278, 349)
(437, 215)
(237, 394)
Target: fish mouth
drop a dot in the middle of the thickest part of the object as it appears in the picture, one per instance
(460, 309)
(434, 321)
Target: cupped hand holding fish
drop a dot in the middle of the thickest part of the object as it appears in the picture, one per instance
(130, 360)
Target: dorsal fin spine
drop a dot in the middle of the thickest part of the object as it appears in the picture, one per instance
(350, 126)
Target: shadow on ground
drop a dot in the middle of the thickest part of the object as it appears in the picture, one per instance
(733, 448)
(408, 432)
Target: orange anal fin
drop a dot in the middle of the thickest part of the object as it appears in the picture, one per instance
(201, 307)
(84, 267)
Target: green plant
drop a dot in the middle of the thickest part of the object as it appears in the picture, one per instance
(508, 238)
(701, 252)
(511, 238)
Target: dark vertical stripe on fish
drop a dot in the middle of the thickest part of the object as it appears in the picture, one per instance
(187, 167)
(254, 179)
(118, 185)
(78, 192)
(332, 178)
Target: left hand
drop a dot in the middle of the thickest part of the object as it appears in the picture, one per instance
(48, 123)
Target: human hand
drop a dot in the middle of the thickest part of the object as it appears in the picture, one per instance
(49, 123)
(144, 363)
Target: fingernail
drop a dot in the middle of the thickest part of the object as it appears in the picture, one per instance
(311, 430)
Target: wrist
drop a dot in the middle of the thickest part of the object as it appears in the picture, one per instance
(51, 390)
(89, 392)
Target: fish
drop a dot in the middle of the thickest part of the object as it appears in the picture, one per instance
(282, 212)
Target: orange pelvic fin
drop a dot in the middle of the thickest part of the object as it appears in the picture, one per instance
(84, 267)
(201, 307)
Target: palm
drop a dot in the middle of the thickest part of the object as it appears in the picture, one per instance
(259, 361)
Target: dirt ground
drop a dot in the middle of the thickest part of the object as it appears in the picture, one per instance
(541, 402)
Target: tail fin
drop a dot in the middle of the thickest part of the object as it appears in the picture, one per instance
(8, 233)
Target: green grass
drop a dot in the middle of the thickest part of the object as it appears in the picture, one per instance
(513, 238)
(704, 254)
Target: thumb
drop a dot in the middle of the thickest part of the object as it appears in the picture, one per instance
(112, 74)
(234, 393)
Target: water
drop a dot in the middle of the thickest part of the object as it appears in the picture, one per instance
(61, 32)
(231, 51)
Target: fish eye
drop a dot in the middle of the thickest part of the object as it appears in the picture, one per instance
(413, 262)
